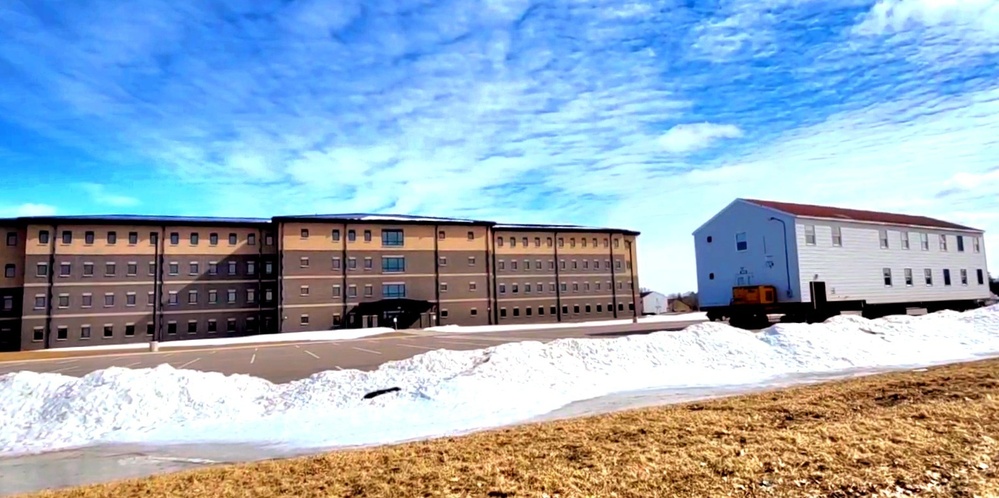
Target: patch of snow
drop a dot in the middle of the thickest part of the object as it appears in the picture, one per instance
(321, 335)
(482, 329)
(450, 392)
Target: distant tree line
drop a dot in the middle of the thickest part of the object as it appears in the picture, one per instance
(994, 284)
(687, 298)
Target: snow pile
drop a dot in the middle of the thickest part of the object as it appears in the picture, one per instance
(482, 329)
(319, 335)
(447, 392)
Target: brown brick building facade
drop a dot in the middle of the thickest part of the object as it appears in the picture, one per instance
(78, 281)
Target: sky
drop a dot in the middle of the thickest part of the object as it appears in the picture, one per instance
(647, 115)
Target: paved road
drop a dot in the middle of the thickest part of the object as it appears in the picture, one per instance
(286, 362)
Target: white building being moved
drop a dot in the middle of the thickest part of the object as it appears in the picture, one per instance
(819, 260)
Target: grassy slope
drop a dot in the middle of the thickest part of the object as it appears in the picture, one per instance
(928, 433)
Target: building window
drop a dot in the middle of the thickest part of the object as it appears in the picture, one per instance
(981, 276)
(86, 300)
(442, 261)
(303, 262)
(213, 296)
(513, 265)
(472, 286)
(471, 236)
(335, 234)
(251, 267)
(351, 290)
(109, 331)
(129, 330)
(194, 238)
(251, 239)
(928, 276)
(251, 296)
(150, 329)
(443, 286)
(172, 298)
(9, 270)
(130, 299)
(393, 264)
(64, 300)
(393, 291)
(303, 320)
(368, 263)
(367, 235)
(502, 288)
(132, 269)
(268, 295)
(392, 238)
(369, 290)
(213, 268)
(233, 239)
(192, 297)
(231, 296)
(924, 241)
(269, 240)
(336, 262)
(152, 268)
(502, 313)
(8, 303)
(548, 241)
(112, 238)
(810, 235)
(192, 327)
(883, 235)
(150, 298)
(12, 239)
(303, 290)
(886, 273)
(499, 241)
(960, 243)
(110, 269)
(741, 243)
(351, 235)
(513, 241)
(473, 311)
(305, 233)
(133, 238)
(84, 331)
(37, 334)
(471, 261)
(502, 264)
(154, 238)
(352, 263)
(908, 277)
(336, 291)
(946, 274)
(174, 238)
(232, 267)
(194, 268)
(213, 326)
(964, 277)
(213, 239)
(65, 269)
(268, 268)
(230, 325)
(174, 268)
(904, 237)
(943, 242)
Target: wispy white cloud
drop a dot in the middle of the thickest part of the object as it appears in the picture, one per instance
(28, 209)
(516, 110)
(685, 138)
(99, 194)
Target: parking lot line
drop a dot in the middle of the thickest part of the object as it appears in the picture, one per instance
(366, 350)
(413, 346)
(310, 353)
(188, 363)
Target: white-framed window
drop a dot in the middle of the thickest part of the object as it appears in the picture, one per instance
(741, 242)
(904, 236)
(928, 276)
(837, 236)
(976, 244)
(964, 277)
(908, 277)
(810, 235)
(886, 274)
(943, 242)
(884, 239)
(924, 241)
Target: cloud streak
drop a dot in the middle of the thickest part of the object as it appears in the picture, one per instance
(521, 110)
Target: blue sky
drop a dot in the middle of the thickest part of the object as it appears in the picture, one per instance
(646, 115)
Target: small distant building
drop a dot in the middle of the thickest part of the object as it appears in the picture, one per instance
(654, 303)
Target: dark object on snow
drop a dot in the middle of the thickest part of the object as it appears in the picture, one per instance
(380, 392)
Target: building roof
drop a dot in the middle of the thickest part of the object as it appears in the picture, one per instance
(829, 212)
(138, 220)
(560, 228)
(371, 217)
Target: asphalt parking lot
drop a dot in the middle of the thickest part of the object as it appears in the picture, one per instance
(291, 361)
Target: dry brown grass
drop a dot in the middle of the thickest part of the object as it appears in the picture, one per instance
(923, 433)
